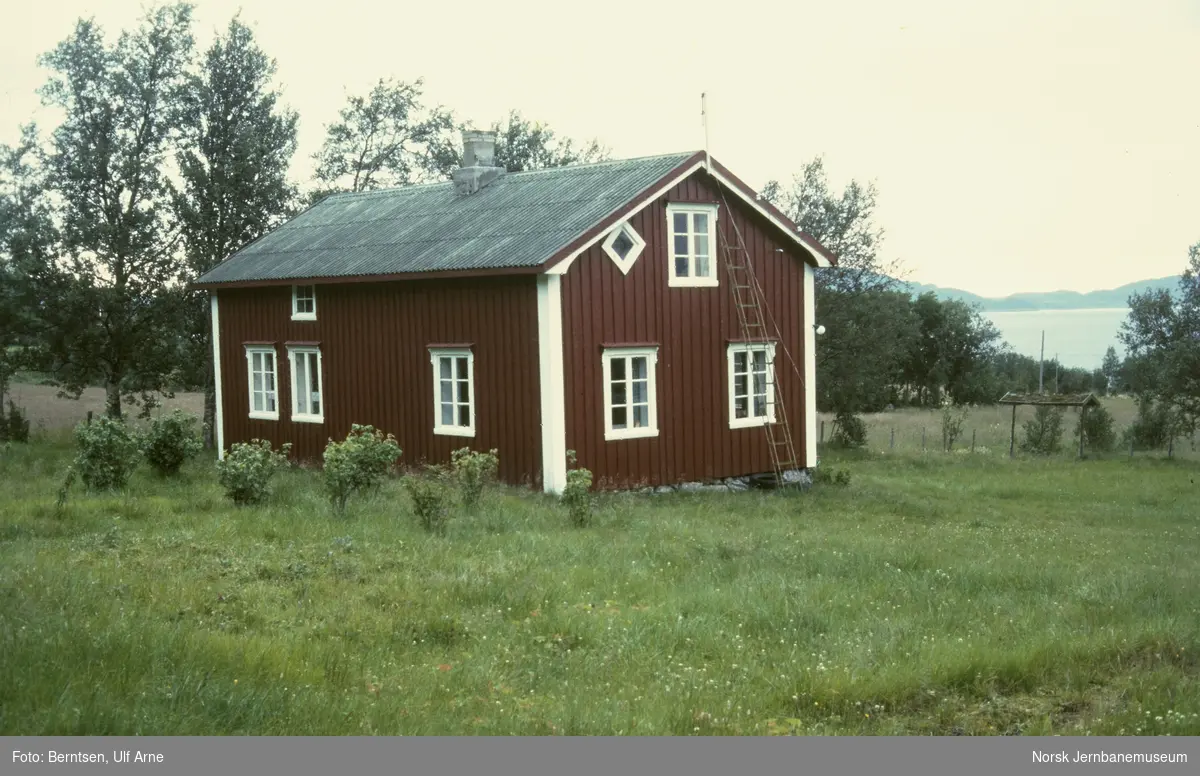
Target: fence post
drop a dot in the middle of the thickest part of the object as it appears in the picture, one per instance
(892, 442)
(1131, 445)
(89, 420)
(1171, 447)
(822, 432)
(922, 439)
(972, 441)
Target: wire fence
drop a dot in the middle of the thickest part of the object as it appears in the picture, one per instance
(986, 433)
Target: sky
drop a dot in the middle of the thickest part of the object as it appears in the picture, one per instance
(1018, 146)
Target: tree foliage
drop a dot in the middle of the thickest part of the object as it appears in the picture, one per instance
(522, 144)
(237, 142)
(1162, 338)
(110, 299)
(388, 137)
(27, 244)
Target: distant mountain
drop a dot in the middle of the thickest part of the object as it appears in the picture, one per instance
(1051, 300)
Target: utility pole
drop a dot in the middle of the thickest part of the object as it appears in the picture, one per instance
(704, 119)
(1055, 373)
(1042, 364)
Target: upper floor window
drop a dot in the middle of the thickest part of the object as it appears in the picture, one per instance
(630, 402)
(453, 391)
(692, 231)
(751, 384)
(264, 393)
(308, 405)
(623, 245)
(304, 303)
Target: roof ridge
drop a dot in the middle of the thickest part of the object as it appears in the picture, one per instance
(522, 173)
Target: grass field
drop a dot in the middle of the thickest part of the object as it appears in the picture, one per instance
(939, 594)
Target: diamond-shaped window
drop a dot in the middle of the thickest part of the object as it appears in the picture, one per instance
(623, 245)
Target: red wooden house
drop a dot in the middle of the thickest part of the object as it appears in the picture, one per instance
(606, 308)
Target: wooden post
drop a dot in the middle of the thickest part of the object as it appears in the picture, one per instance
(922, 439)
(1171, 447)
(1082, 417)
(972, 441)
(1131, 445)
(1012, 439)
(822, 432)
(892, 442)
(89, 421)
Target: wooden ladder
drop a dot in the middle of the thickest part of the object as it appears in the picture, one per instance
(750, 303)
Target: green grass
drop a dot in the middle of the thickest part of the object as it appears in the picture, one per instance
(936, 594)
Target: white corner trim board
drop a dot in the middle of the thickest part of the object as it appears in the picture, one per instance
(810, 369)
(216, 345)
(551, 383)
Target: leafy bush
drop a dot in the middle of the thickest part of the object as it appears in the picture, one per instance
(246, 470)
(430, 495)
(953, 418)
(14, 427)
(359, 462)
(170, 440)
(1154, 427)
(1043, 434)
(107, 453)
(830, 475)
(577, 494)
(1097, 426)
(473, 471)
(849, 431)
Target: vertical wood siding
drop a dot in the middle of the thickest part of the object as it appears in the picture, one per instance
(374, 340)
(692, 327)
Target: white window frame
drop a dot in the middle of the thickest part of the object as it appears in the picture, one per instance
(624, 264)
(262, 350)
(691, 280)
(303, 316)
(297, 415)
(435, 357)
(771, 377)
(628, 353)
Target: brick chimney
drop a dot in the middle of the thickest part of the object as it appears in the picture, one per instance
(478, 168)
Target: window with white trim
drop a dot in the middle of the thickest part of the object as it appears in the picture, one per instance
(263, 383)
(630, 398)
(751, 384)
(623, 245)
(304, 303)
(453, 391)
(692, 232)
(308, 403)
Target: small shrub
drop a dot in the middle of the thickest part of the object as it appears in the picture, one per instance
(1097, 426)
(430, 496)
(14, 427)
(107, 453)
(577, 494)
(1154, 427)
(1043, 434)
(831, 475)
(358, 463)
(170, 441)
(849, 431)
(246, 470)
(473, 472)
(953, 418)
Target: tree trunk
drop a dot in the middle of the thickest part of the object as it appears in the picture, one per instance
(112, 404)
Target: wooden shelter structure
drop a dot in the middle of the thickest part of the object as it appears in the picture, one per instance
(1081, 400)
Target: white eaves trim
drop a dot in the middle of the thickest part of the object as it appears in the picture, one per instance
(564, 265)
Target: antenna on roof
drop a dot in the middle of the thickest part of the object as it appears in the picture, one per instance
(704, 120)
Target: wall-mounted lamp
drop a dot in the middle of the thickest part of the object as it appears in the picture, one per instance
(819, 329)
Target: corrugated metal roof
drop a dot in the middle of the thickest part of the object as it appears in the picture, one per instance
(518, 220)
